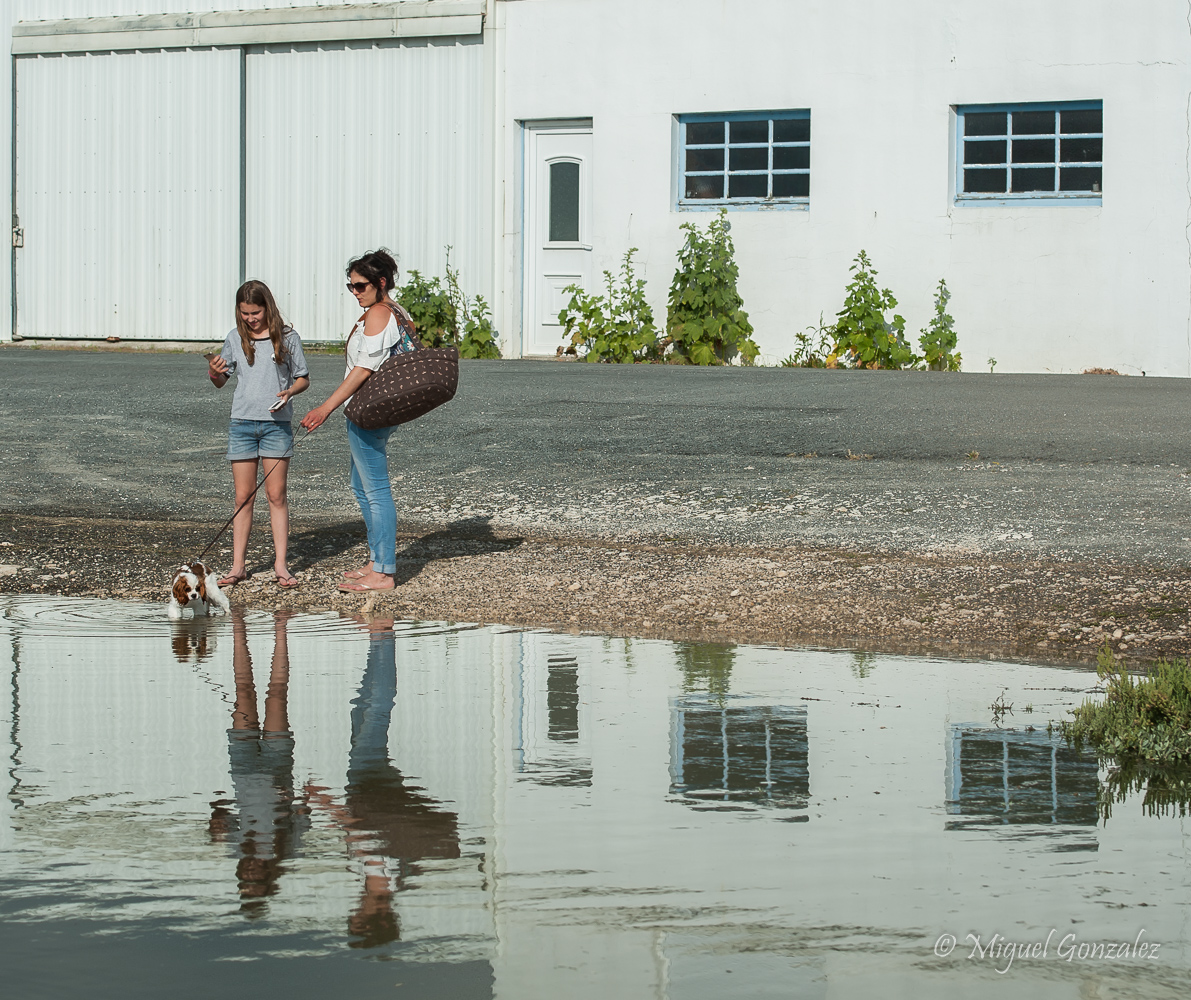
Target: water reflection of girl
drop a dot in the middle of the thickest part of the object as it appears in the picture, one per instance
(389, 825)
(265, 820)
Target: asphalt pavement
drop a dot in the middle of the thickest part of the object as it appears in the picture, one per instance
(1061, 465)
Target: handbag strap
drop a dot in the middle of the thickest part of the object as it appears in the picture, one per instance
(404, 321)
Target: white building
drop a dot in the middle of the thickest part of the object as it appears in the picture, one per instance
(1034, 157)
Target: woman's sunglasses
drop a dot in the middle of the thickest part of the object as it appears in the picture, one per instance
(358, 287)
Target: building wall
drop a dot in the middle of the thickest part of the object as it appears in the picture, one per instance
(1038, 288)
(166, 199)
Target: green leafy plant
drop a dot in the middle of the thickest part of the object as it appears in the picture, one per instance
(864, 338)
(479, 339)
(992, 363)
(705, 320)
(438, 313)
(616, 327)
(938, 336)
(812, 348)
(430, 307)
(1147, 717)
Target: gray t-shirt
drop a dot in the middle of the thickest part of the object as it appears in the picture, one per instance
(258, 384)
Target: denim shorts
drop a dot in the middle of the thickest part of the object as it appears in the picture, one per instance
(259, 439)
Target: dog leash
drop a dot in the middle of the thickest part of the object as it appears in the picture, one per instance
(248, 500)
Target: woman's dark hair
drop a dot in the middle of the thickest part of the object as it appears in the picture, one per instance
(378, 268)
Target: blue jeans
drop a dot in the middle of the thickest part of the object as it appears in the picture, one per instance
(370, 483)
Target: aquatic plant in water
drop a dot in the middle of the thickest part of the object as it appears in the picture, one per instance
(1146, 717)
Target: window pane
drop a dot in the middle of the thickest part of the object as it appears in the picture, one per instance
(705, 159)
(1033, 122)
(749, 159)
(748, 186)
(1081, 150)
(791, 185)
(564, 202)
(791, 157)
(705, 187)
(1081, 121)
(985, 181)
(1080, 179)
(792, 130)
(701, 133)
(749, 131)
(985, 123)
(984, 151)
(1033, 151)
(1033, 179)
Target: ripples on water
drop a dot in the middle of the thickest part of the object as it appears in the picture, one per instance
(313, 804)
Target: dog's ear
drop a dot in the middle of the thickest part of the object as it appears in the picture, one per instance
(180, 589)
(202, 585)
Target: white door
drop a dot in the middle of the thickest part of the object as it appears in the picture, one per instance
(557, 229)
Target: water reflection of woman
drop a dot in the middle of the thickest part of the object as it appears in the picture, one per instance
(389, 825)
(265, 820)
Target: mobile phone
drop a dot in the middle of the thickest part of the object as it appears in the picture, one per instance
(278, 405)
(210, 357)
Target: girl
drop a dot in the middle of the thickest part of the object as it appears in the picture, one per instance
(376, 336)
(266, 357)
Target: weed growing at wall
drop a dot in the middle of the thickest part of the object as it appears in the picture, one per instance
(938, 336)
(439, 312)
(430, 307)
(1146, 717)
(812, 347)
(864, 338)
(616, 327)
(705, 320)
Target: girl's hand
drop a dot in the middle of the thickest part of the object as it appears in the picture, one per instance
(315, 418)
(216, 366)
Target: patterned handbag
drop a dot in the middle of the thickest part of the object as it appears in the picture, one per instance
(407, 384)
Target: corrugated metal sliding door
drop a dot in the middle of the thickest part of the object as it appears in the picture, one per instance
(128, 191)
(354, 146)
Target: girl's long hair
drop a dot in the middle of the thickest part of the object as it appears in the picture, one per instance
(256, 293)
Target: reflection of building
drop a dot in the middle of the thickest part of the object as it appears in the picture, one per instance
(725, 751)
(1007, 777)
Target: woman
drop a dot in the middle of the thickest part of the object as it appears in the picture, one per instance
(376, 337)
(265, 355)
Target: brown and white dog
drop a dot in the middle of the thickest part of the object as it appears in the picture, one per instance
(197, 589)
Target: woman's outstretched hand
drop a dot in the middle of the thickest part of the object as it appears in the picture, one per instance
(315, 418)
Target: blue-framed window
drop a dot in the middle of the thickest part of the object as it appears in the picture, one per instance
(755, 158)
(1030, 152)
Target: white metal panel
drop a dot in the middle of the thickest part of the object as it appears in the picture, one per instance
(128, 194)
(52, 10)
(355, 146)
(400, 19)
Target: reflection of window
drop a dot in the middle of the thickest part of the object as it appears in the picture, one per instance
(762, 158)
(746, 754)
(1030, 151)
(1001, 777)
(553, 745)
(564, 202)
(562, 699)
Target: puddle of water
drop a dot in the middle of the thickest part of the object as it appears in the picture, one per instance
(313, 805)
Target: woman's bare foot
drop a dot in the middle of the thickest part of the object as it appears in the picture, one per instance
(357, 574)
(233, 577)
(369, 581)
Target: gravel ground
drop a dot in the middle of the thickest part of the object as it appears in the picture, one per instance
(946, 603)
(1008, 515)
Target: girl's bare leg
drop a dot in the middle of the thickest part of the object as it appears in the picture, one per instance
(244, 478)
(277, 471)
